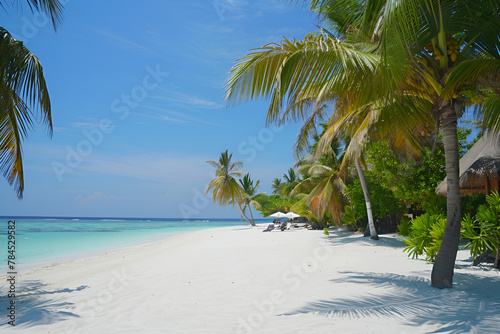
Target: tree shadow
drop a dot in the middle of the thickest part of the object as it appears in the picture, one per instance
(344, 237)
(245, 228)
(471, 306)
(37, 305)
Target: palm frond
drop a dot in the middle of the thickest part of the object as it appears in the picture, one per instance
(54, 8)
(23, 73)
(22, 89)
(225, 189)
(483, 72)
(293, 70)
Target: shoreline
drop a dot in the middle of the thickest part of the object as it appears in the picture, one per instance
(34, 250)
(239, 280)
(63, 259)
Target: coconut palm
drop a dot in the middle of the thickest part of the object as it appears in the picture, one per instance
(249, 192)
(23, 94)
(321, 181)
(453, 59)
(394, 61)
(225, 189)
(291, 180)
(277, 186)
(323, 188)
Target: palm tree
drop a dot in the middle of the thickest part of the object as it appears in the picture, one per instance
(398, 61)
(321, 184)
(277, 186)
(225, 189)
(291, 180)
(323, 188)
(249, 192)
(454, 60)
(22, 91)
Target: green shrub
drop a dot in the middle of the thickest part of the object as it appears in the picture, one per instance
(382, 199)
(483, 231)
(349, 218)
(426, 233)
(404, 227)
(471, 203)
(436, 232)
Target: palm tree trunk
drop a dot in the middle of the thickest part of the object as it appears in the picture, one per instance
(442, 271)
(244, 216)
(434, 145)
(361, 174)
(251, 215)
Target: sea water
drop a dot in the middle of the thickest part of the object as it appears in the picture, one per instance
(44, 241)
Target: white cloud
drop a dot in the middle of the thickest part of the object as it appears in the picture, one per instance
(127, 44)
(160, 117)
(97, 196)
(188, 100)
(177, 114)
(177, 170)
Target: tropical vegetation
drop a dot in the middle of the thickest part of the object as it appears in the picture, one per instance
(404, 71)
(249, 193)
(23, 94)
(225, 188)
(483, 230)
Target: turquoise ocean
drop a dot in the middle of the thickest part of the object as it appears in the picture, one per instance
(43, 241)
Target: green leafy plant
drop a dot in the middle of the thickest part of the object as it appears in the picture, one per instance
(436, 232)
(383, 201)
(483, 231)
(425, 236)
(274, 203)
(404, 227)
(349, 218)
(472, 203)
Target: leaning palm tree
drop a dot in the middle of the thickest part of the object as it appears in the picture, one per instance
(321, 184)
(249, 193)
(407, 60)
(225, 189)
(23, 93)
(323, 187)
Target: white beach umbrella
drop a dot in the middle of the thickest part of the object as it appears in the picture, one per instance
(278, 215)
(292, 215)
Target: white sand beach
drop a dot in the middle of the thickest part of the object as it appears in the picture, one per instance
(240, 280)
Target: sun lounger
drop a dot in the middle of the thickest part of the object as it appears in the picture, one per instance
(269, 228)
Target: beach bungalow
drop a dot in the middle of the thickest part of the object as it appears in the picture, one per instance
(479, 168)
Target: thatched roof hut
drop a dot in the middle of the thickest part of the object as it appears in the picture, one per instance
(479, 168)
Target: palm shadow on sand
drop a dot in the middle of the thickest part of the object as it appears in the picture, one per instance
(471, 306)
(37, 305)
(344, 237)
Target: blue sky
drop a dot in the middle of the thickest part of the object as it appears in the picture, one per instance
(138, 107)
